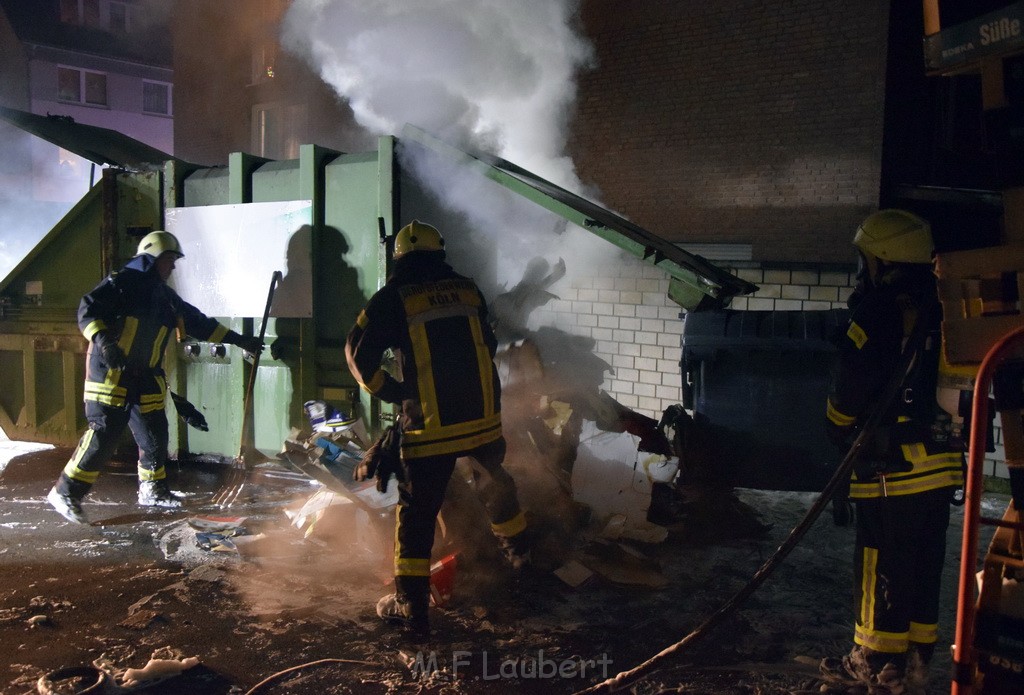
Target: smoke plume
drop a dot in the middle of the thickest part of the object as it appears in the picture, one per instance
(497, 76)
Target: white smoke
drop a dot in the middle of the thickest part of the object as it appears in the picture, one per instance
(497, 74)
(41, 183)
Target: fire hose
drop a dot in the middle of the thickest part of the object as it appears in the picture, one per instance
(840, 477)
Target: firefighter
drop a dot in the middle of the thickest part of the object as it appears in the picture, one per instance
(435, 321)
(909, 468)
(128, 320)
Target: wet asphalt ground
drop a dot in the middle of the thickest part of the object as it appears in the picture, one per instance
(135, 585)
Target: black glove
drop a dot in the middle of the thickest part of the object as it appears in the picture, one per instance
(250, 343)
(382, 460)
(112, 353)
(189, 413)
(841, 437)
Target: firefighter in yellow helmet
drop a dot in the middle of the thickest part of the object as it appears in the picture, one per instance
(909, 469)
(128, 320)
(436, 321)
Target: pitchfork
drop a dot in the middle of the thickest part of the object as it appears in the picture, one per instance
(239, 474)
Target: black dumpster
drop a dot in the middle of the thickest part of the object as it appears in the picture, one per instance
(756, 383)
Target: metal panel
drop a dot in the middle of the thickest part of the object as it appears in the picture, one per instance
(696, 284)
(228, 248)
(351, 264)
(42, 352)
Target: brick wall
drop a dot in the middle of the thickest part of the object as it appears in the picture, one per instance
(733, 121)
(638, 330)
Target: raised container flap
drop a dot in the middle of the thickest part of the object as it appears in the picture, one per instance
(695, 284)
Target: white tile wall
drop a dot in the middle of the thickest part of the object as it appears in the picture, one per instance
(638, 330)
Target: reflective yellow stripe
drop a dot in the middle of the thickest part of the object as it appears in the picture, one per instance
(448, 446)
(158, 344)
(424, 373)
(105, 393)
(151, 407)
(512, 527)
(131, 327)
(929, 473)
(458, 429)
(483, 359)
(924, 634)
(93, 328)
(866, 616)
(451, 438)
(458, 295)
(363, 320)
(412, 567)
(375, 384)
(837, 417)
(105, 387)
(72, 470)
(76, 473)
(149, 475)
(888, 642)
(857, 335)
(218, 334)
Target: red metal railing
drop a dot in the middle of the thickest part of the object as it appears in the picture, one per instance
(964, 661)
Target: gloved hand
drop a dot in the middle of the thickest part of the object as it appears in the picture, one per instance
(382, 460)
(841, 437)
(250, 343)
(112, 353)
(189, 413)
(411, 417)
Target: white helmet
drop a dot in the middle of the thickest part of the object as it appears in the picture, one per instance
(159, 242)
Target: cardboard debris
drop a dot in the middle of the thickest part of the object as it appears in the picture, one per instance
(574, 573)
(621, 564)
(216, 524)
(139, 620)
(609, 477)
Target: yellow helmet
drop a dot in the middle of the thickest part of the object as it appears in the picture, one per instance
(417, 236)
(895, 236)
(158, 242)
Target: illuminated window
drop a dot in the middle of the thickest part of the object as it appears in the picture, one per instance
(264, 61)
(81, 86)
(156, 97)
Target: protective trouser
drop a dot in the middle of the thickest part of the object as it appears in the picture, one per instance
(97, 445)
(900, 552)
(419, 502)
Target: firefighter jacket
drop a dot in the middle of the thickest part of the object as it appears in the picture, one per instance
(142, 312)
(910, 451)
(435, 321)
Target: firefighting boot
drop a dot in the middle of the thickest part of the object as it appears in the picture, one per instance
(518, 548)
(408, 606)
(156, 493)
(918, 658)
(67, 506)
(880, 673)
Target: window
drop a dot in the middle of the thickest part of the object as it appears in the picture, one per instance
(112, 15)
(277, 129)
(118, 16)
(70, 12)
(81, 86)
(264, 59)
(86, 12)
(156, 97)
